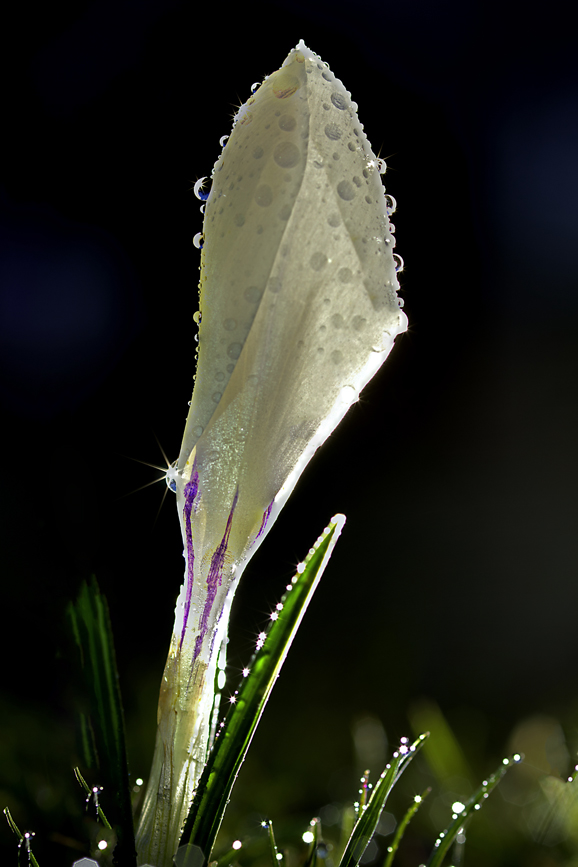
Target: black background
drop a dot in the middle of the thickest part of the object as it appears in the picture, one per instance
(455, 578)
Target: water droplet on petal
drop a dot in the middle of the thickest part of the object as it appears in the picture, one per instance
(345, 191)
(223, 140)
(254, 86)
(198, 190)
(398, 262)
(339, 101)
(198, 240)
(390, 203)
(171, 477)
(381, 166)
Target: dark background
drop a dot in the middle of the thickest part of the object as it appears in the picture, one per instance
(455, 578)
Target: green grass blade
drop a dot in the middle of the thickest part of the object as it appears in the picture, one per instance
(90, 624)
(447, 837)
(91, 792)
(315, 825)
(234, 736)
(365, 826)
(21, 838)
(273, 844)
(400, 830)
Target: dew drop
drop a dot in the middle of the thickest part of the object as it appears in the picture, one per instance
(333, 132)
(398, 262)
(336, 356)
(171, 480)
(198, 430)
(359, 323)
(198, 240)
(230, 324)
(286, 154)
(337, 320)
(334, 220)
(252, 294)
(318, 261)
(254, 86)
(201, 194)
(216, 396)
(345, 191)
(381, 166)
(264, 195)
(339, 101)
(287, 122)
(390, 203)
(234, 350)
(223, 140)
(345, 275)
(258, 153)
(284, 85)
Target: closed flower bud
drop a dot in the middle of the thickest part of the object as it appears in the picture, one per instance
(299, 309)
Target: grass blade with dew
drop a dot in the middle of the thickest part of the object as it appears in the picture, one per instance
(23, 838)
(235, 733)
(447, 837)
(365, 826)
(93, 795)
(400, 830)
(316, 840)
(89, 620)
(272, 844)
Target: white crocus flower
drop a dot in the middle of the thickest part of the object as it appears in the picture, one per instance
(299, 310)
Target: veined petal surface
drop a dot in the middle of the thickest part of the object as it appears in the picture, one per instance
(298, 294)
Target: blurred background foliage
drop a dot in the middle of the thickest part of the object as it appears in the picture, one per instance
(451, 598)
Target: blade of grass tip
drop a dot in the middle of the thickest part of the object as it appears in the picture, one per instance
(365, 826)
(22, 838)
(272, 844)
(89, 620)
(400, 830)
(315, 825)
(363, 793)
(230, 855)
(247, 704)
(447, 837)
(92, 794)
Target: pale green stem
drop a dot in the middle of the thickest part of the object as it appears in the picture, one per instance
(183, 725)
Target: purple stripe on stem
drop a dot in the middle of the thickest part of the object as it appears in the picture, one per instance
(214, 578)
(190, 492)
(265, 518)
